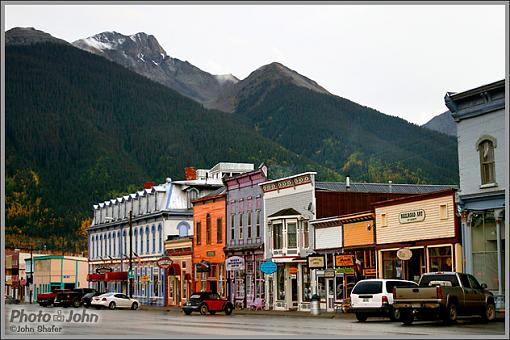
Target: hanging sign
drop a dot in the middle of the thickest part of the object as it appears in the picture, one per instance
(203, 267)
(165, 262)
(329, 273)
(268, 267)
(316, 262)
(344, 260)
(404, 254)
(234, 263)
(103, 270)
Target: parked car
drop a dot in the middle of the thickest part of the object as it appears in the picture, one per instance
(374, 297)
(445, 295)
(66, 299)
(207, 302)
(86, 299)
(114, 300)
(47, 299)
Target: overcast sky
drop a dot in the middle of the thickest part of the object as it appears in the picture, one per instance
(398, 59)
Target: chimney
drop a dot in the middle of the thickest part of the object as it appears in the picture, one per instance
(389, 182)
(190, 173)
(148, 185)
(348, 183)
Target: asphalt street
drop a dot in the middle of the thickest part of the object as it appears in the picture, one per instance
(34, 320)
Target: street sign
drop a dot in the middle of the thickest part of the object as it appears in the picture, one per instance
(130, 274)
(268, 267)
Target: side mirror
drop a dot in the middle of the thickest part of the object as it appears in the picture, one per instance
(483, 285)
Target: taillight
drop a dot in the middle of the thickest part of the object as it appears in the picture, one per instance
(439, 292)
(394, 293)
(384, 300)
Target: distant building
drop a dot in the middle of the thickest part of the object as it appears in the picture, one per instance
(483, 156)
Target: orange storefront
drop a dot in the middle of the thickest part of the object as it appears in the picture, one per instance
(209, 214)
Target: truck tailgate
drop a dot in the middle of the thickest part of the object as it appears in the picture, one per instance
(417, 293)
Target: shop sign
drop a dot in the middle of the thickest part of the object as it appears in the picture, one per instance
(234, 263)
(103, 270)
(330, 272)
(203, 267)
(316, 262)
(210, 253)
(344, 260)
(144, 278)
(370, 271)
(287, 183)
(165, 262)
(345, 270)
(404, 253)
(412, 216)
(293, 270)
(268, 267)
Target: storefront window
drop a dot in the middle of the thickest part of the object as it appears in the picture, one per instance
(484, 245)
(440, 259)
(321, 287)
(391, 265)
(280, 281)
(307, 291)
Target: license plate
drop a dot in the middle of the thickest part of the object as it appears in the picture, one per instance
(416, 305)
(366, 299)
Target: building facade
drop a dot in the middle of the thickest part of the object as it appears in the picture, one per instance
(418, 234)
(289, 206)
(245, 236)
(209, 213)
(179, 249)
(481, 118)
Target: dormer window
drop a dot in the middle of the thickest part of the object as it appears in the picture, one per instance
(192, 195)
(487, 163)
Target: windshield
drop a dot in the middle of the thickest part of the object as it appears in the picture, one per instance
(439, 279)
(195, 296)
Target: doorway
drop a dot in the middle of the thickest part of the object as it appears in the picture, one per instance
(330, 296)
(294, 292)
(213, 286)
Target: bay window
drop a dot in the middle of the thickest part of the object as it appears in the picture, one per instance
(277, 236)
(291, 235)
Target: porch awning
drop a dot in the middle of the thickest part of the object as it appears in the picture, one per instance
(174, 269)
(96, 277)
(116, 276)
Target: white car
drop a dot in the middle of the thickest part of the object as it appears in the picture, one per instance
(374, 297)
(114, 300)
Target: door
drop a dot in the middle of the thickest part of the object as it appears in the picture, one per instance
(177, 291)
(478, 296)
(294, 292)
(330, 297)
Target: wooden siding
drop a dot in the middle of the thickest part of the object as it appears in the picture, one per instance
(357, 234)
(332, 203)
(328, 238)
(432, 227)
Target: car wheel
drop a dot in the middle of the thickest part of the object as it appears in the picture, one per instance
(361, 317)
(204, 309)
(489, 312)
(395, 314)
(112, 305)
(228, 309)
(134, 306)
(450, 313)
(76, 303)
(406, 316)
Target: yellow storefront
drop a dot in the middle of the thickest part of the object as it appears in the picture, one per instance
(417, 234)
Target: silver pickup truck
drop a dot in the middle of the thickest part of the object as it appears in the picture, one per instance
(444, 295)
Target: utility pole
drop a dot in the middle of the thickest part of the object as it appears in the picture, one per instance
(131, 253)
(31, 272)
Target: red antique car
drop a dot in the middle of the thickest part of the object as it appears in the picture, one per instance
(207, 302)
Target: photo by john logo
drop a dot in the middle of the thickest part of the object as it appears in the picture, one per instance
(20, 316)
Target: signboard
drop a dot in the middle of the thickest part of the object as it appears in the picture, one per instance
(234, 263)
(412, 216)
(130, 274)
(369, 271)
(330, 272)
(268, 267)
(210, 253)
(103, 270)
(165, 262)
(316, 262)
(144, 278)
(287, 183)
(344, 260)
(345, 270)
(203, 267)
(404, 253)
(293, 270)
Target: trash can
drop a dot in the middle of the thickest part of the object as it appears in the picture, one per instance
(315, 307)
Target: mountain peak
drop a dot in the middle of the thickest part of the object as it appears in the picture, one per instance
(28, 36)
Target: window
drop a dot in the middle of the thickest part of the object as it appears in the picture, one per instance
(249, 224)
(440, 258)
(443, 211)
(192, 195)
(147, 240)
(114, 247)
(125, 242)
(219, 230)
(208, 229)
(306, 235)
(277, 236)
(199, 232)
(291, 235)
(160, 232)
(232, 235)
(136, 241)
(241, 236)
(368, 287)
(141, 240)
(487, 163)
(280, 281)
(109, 244)
(153, 230)
(384, 222)
(258, 223)
(473, 282)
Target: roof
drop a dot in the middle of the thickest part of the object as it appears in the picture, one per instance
(285, 212)
(383, 187)
(218, 192)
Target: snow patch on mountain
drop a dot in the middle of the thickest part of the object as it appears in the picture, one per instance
(225, 78)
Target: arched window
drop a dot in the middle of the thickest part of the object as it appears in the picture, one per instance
(97, 246)
(100, 245)
(136, 241)
(141, 240)
(109, 244)
(487, 162)
(147, 249)
(113, 242)
(153, 231)
(160, 231)
(183, 228)
(119, 252)
(91, 246)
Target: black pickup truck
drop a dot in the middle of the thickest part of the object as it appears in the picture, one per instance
(444, 295)
(71, 297)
